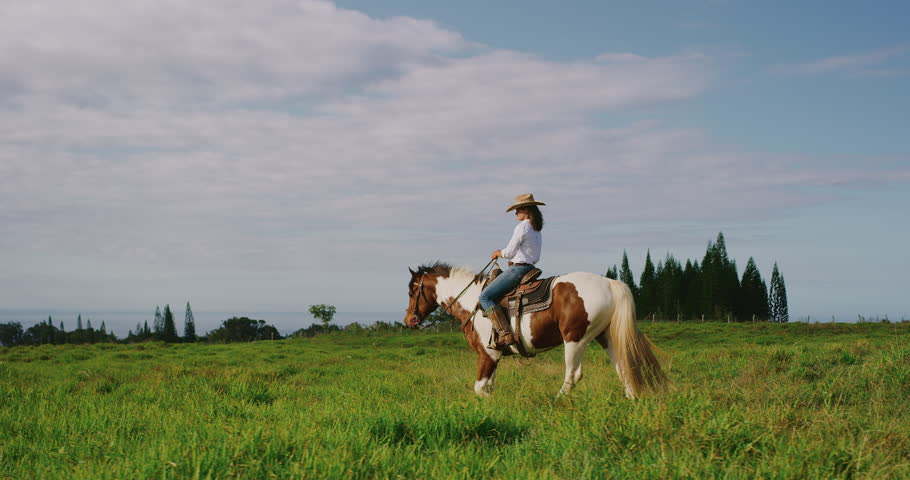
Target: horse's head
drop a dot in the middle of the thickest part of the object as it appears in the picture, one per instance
(421, 296)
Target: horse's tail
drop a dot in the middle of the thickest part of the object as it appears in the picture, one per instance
(632, 351)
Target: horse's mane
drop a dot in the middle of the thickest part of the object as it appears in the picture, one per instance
(436, 268)
(446, 270)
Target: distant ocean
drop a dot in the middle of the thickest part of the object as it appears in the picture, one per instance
(120, 322)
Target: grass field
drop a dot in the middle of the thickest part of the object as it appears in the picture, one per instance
(748, 401)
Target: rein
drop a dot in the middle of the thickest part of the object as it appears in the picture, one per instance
(446, 309)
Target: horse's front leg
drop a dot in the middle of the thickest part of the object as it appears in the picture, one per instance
(487, 360)
(574, 353)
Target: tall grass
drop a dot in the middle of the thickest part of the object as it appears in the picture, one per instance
(747, 401)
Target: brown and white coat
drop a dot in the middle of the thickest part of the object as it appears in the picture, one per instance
(585, 307)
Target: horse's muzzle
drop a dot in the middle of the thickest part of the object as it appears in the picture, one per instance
(412, 321)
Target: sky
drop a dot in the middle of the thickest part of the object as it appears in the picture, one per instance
(271, 155)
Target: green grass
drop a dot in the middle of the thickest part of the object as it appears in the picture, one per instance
(747, 401)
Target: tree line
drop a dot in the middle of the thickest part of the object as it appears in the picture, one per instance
(711, 289)
(163, 328)
(46, 332)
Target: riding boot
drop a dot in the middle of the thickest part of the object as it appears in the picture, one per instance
(501, 327)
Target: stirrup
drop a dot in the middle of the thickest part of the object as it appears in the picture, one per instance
(494, 345)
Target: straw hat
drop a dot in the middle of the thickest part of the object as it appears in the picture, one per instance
(524, 200)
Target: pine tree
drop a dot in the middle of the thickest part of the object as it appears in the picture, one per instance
(660, 278)
(728, 300)
(732, 290)
(647, 287)
(782, 301)
(79, 322)
(158, 325)
(710, 289)
(777, 298)
(189, 325)
(670, 297)
(612, 273)
(61, 326)
(89, 327)
(753, 293)
(748, 289)
(625, 274)
(720, 289)
(103, 330)
(721, 248)
(145, 331)
(169, 329)
(772, 295)
(690, 290)
(763, 311)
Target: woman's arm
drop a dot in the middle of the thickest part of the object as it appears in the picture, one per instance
(518, 236)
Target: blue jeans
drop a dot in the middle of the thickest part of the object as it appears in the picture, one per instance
(502, 285)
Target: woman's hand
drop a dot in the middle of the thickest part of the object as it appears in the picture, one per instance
(496, 254)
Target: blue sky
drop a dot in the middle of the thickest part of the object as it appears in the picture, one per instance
(267, 157)
(750, 40)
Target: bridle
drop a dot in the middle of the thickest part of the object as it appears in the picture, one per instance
(420, 293)
(446, 309)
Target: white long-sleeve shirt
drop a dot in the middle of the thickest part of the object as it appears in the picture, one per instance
(524, 247)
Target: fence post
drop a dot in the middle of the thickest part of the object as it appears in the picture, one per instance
(703, 318)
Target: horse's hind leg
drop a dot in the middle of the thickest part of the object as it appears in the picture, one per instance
(604, 340)
(574, 354)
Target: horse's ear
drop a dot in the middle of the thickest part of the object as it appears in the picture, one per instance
(412, 271)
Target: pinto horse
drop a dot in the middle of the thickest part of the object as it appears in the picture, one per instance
(585, 307)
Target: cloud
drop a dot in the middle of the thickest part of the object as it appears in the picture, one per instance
(226, 140)
(106, 53)
(865, 63)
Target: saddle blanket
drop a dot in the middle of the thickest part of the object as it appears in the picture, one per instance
(535, 301)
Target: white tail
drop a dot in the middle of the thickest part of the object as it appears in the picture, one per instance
(636, 363)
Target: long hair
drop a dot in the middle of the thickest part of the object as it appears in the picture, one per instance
(535, 216)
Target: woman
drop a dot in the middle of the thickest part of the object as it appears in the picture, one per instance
(524, 251)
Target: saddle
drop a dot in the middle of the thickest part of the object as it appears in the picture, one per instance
(532, 294)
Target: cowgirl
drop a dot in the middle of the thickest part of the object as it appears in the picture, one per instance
(524, 251)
